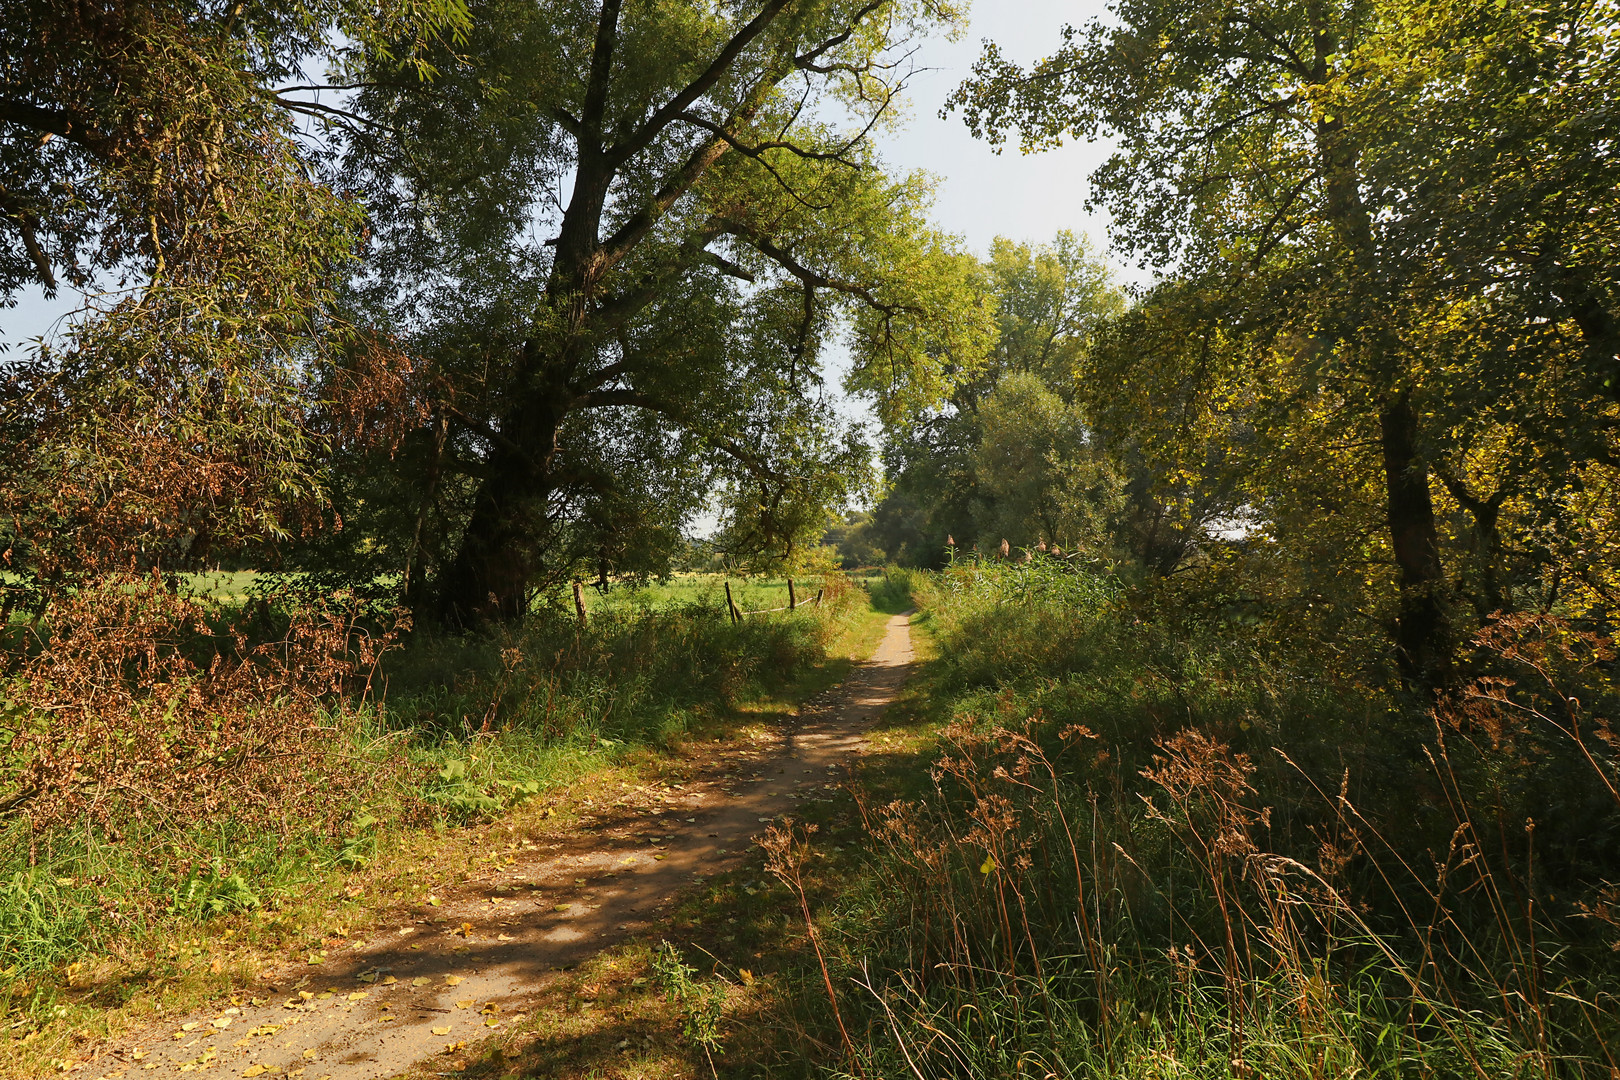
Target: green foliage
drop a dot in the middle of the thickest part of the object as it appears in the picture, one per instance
(1155, 845)
(149, 154)
(1010, 455)
(702, 1004)
(602, 370)
(1361, 340)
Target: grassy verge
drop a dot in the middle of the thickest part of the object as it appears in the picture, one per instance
(472, 746)
(1096, 840)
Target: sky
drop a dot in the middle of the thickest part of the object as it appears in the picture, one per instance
(982, 194)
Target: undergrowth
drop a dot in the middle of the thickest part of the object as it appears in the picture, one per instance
(149, 788)
(1149, 851)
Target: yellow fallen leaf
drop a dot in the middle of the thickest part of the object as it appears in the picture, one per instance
(747, 976)
(390, 981)
(433, 900)
(357, 995)
(452, 980)
(441, 1031)
(193, 1026)
(421, 980)
(253, 1070)
(309, 1055)
(367, 976)
(222, 1023)
(465, 1004)
(493, 1021)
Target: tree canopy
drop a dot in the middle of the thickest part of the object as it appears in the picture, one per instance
(622, 237)
(1388, 290)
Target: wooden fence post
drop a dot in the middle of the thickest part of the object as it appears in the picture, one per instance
(579, 602)
(793, 601)
(731, 606)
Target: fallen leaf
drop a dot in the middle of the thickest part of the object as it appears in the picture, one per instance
(465, 1004)
(441, 1031)
(193, 1026)
(309, 1055)
(747, 976)
(357, 995)
(389, 981)
(493, 1021)
(367, 976)
(421, 980)
(433, 900)
(253, 1070)
(452, 980)
(222, 1023)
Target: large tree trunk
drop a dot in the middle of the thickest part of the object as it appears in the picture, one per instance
(490, 577)
(1422, 629)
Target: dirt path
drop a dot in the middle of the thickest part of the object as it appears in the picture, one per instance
(453, 972)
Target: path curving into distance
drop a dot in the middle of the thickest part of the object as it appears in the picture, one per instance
(441, 965)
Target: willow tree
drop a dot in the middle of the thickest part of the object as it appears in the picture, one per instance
(1386, 227)
(151, 154)
(624, 235)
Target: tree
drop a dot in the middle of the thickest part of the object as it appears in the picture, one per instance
(978, 468)
(1310, 172)
(148, 152)
(623, 234)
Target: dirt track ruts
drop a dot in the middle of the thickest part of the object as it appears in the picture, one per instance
(514, 945)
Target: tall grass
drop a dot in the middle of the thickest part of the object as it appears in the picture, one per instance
(446, 730)
(1149, 855)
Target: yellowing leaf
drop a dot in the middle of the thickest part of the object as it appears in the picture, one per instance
(389, 981)
(452, 980)
(465, 1004)
(493, 1021)
(441, 1031)
(222, 1023)
(193, 1026)
(254, 1070)
(309, 1055)
(421, 980)
(357, 995)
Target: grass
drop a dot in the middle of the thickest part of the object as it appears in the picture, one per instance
(100, 932)
(1111, 846)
